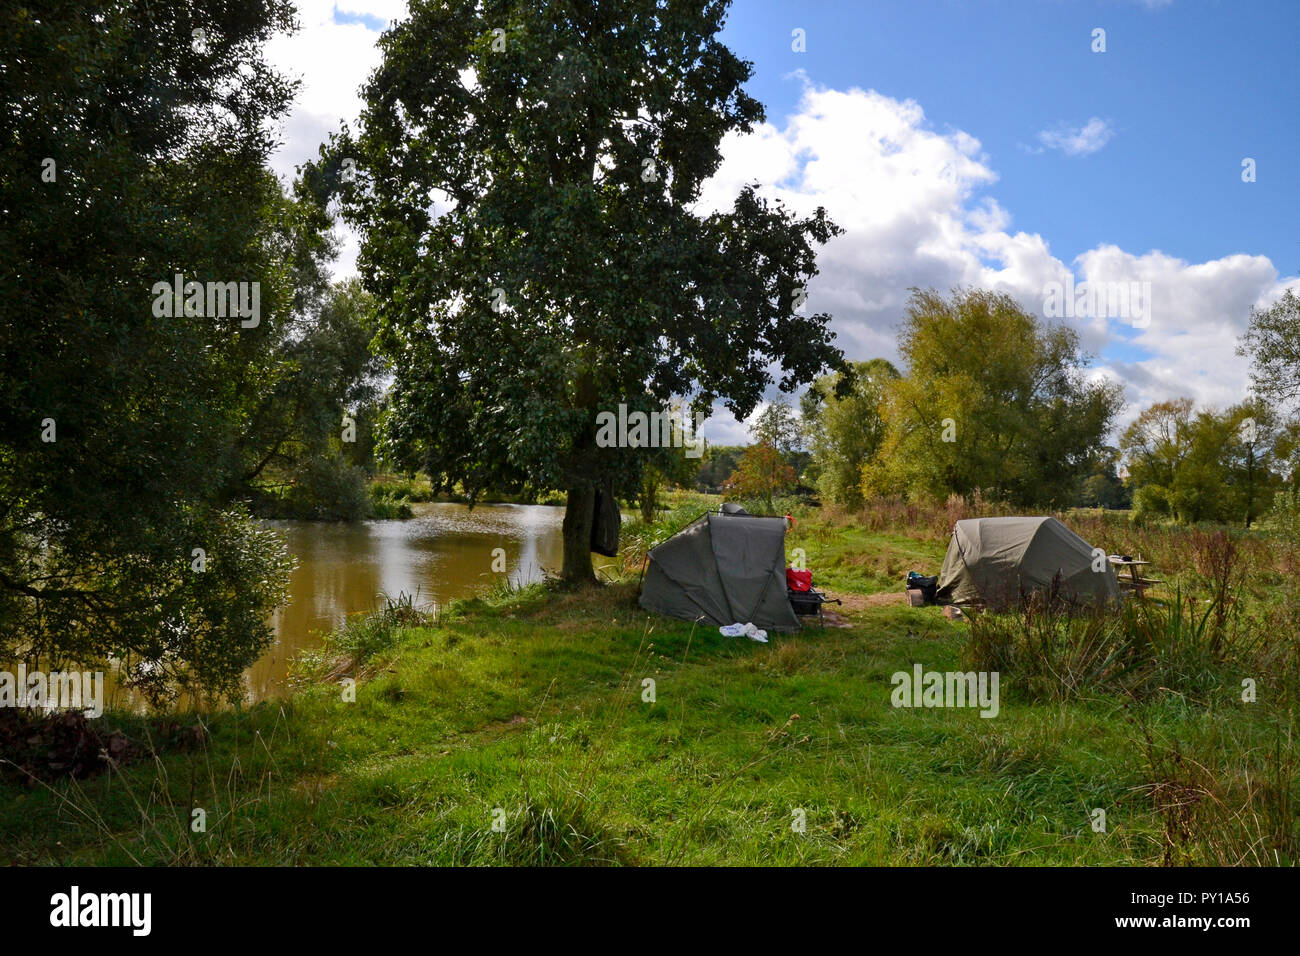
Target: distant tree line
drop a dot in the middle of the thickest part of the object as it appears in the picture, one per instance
(998, 403)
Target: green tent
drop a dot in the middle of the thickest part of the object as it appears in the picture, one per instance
(722, 569)
(995, 560)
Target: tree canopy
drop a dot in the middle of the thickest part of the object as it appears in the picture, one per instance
(1273, 344)
(311, 430)
(845, 428)
(526, 181)
(762, 472)
(133, 146)
(1208, 465)
(778, 426)
(993, 401)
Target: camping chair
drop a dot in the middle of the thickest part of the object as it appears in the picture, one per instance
(805, 601)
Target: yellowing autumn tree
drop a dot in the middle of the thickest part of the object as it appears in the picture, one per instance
(993, 401)
(761, 473)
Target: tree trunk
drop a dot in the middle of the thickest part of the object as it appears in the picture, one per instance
(579, 512)
(649, 499)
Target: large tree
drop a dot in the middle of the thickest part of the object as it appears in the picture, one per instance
(777, 425)
(133, 146)
(1103, 487)
(1157, 443)
(1273, 344)
(994, 401)
(842, 418)
(525, 179)
(1209, 465)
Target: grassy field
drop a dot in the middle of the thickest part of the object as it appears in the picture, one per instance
(517, 729)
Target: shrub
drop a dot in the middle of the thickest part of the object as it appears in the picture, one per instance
(329, 489)
(401, 488)
(1284, 521)
(389, 501)
(1140, 649)
(1150, 501)
(1055, 655)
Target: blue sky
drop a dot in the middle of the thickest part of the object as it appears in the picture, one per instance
(987, 144)
(1190, 89)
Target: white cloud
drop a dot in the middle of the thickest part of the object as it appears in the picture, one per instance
(333, 60)
(723, 429)
(1198, 313)
(1078, 140)
(909, 199)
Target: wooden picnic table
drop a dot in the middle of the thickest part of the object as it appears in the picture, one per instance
(1136, 583)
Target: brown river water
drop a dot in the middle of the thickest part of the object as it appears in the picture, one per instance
(445, 552)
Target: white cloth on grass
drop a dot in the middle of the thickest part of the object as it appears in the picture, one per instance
(744, 630)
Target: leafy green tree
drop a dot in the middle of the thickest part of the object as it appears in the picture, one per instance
(130, 151)
(845, 431)
(313, 426)
(526, 176)
(1273, 344)
(666, 466)
(762, 472)
(1208, 465)
(1249, 451)
(666, 470)
(778, 426)
(719, 462)
(993, 401)
(1158, 441)
(1103, 487)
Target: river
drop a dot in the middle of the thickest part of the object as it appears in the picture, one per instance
(446, 551)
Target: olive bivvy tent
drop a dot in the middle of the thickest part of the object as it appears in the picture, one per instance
(996, 560)
(722, 569)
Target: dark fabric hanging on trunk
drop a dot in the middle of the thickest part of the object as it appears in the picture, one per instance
(606, 521)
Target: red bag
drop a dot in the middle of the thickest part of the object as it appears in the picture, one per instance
(798, 580)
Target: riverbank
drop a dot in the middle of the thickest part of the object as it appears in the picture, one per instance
(359, 497)
(529, 709)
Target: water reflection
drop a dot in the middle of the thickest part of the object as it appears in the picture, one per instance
(444, 552)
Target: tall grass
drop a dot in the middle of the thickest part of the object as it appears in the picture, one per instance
(1172, 549)
(201, 811)
(1182, 646)
(1229, 800)
(638, 536)
(354, 649)
(1191, 644)
(1226, 797)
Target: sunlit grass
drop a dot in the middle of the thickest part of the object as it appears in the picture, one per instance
(528, 708)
